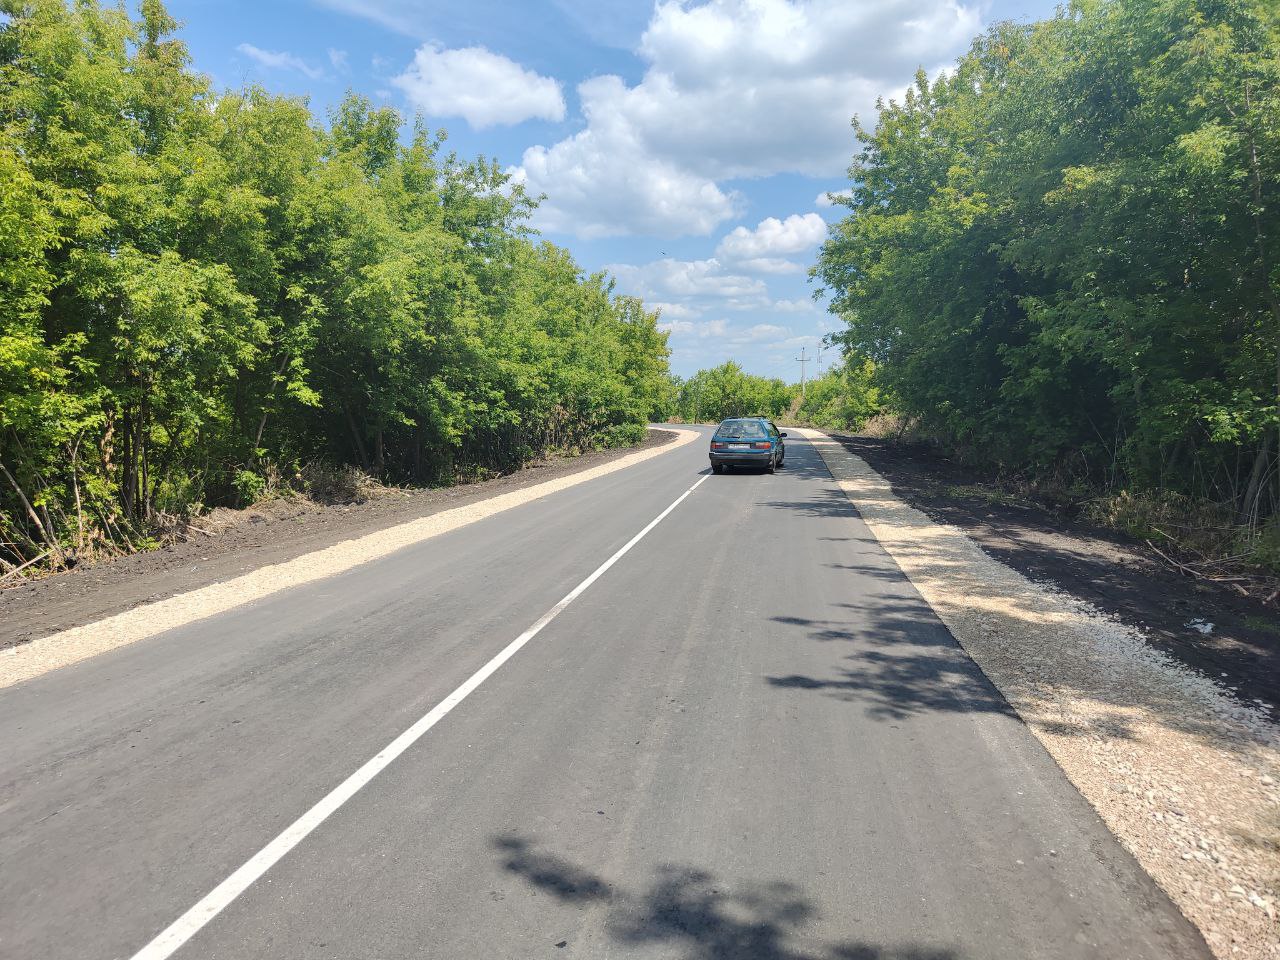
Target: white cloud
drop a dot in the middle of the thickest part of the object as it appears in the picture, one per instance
(801, 341)
(798, 305)
(701, 329)
(771, 265)
(755, 302)
(674, 311)
(603, 181)
(338, 60)
(484, 88)
(280, 60)
(824, 199)
(402, 16)
(761, 331)
(764, 249)
(676, 326)
(670, 279)
(732, 89)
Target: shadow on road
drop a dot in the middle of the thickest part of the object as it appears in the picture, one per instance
(905, 663)
(690, 912)
(902, 661)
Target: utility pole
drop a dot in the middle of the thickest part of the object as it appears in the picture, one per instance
(802, 360)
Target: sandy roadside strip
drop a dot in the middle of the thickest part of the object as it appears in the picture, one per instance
(1183, 774)
(79, 643)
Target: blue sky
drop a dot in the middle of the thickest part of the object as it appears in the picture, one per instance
(683, 145)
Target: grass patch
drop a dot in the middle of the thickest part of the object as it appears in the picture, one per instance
(1265, 624)
(992, 495)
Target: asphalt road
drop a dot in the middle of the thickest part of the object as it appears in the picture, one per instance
(749, 738)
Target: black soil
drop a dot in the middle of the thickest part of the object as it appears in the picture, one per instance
(1117, 575)
(244, 540)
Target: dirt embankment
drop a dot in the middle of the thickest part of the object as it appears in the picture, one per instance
(1233, 640)
(238, 541)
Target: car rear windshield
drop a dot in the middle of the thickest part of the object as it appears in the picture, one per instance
(741, 430)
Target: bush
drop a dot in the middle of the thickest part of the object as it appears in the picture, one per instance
(249, 487)
(623, 435)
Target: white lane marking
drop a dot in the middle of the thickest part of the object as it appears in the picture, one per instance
(187, 925)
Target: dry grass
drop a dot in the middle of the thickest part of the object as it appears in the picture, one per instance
(343, 484)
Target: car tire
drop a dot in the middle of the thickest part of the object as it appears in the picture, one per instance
(717, 468)
(771, 467)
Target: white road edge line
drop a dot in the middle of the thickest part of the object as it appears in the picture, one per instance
(213, 903)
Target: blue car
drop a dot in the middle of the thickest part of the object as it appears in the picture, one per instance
(747, 442)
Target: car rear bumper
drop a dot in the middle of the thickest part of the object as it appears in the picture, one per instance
(740, 458)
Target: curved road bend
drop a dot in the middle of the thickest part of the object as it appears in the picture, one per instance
(748, 738)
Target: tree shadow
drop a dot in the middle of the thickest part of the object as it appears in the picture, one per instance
(690, 911)
(549, 873)
(1109, 570)
(824, 503)
(893, 575)
(912, 666)
(907, 663)
(1105, 691)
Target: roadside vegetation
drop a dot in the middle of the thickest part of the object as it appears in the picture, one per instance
(843, 398)
(728, 391)
(205, 294)
(1063, 260)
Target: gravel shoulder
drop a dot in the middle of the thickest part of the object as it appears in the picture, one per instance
(240, 541)
(1183, 772)
(1122, 578)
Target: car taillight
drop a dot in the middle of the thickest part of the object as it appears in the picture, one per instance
(716, 445)
(761, 446)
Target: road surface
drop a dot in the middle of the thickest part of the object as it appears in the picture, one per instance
(747, 738)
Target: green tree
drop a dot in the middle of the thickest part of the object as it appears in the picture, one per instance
(200, 291)
(1061, 255)
(729, 391)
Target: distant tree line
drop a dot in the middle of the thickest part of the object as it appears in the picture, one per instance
(728, 391)
(201, 291)
(843, 398)
(1064, 255)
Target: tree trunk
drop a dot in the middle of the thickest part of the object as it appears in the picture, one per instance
(1264, 267)
(128, 482)
(75, 484)
(144, 473)
(45, 534)
(1249, 513)
(262, 423)
(355, 436)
